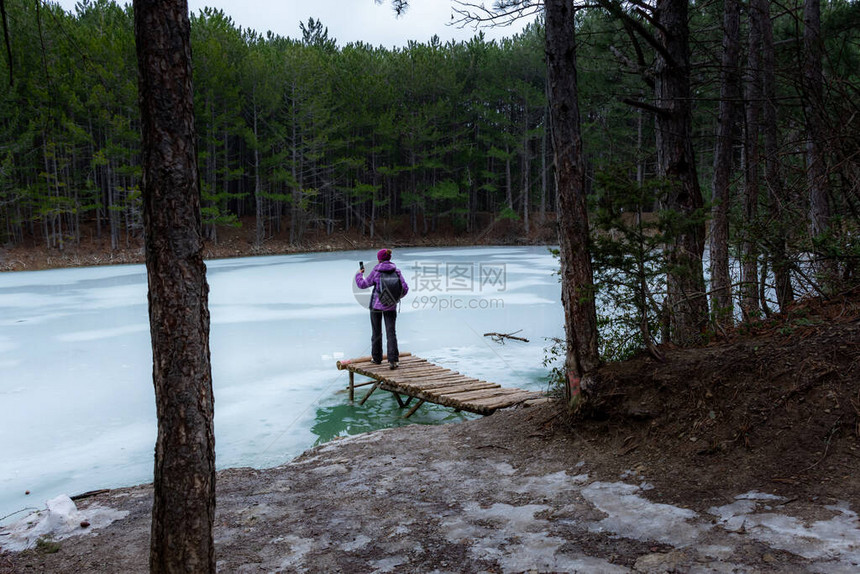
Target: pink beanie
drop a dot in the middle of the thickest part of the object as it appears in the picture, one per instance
(383, 255)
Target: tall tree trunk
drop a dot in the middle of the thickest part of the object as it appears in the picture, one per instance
(640, 154)
(752, 101)
(509, 180)
(577, 279)
(543, 167)
(184, 483)
(775, 187)
(525, 173)
(50, 235)
(295, 212)
(813, 96)
(258, 187)
(721, 281)
(686, 298)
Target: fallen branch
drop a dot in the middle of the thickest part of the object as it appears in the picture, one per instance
(89, 494)
(500, 337)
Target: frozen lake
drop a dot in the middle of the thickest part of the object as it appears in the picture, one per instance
(77, 406)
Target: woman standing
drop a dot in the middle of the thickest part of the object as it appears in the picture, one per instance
(389, 287)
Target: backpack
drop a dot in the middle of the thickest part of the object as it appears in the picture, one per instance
(390, 289)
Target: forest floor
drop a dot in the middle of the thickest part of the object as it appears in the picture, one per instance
(738, 456)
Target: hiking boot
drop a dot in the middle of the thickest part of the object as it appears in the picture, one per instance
(393, 365)
(375, 362)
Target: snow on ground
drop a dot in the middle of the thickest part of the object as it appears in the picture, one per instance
(60, 519)
(550, 527)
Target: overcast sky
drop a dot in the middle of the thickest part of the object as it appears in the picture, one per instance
(347, 20)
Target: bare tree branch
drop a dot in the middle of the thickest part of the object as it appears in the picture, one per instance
(645, 106)
(502, 13)
(618, 11)
(400, 6)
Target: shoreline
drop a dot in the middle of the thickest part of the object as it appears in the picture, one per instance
(97, 252)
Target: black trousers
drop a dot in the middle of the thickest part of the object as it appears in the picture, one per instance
(376, 318)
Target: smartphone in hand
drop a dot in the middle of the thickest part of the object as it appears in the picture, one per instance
(361, 266)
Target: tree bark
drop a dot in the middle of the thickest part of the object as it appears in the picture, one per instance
(577, 279)
(752, 101)
(721, 282)
(773, 178)
(525, 163)
(184, 482)
(813, 97)
(686, 299)
(260, 230)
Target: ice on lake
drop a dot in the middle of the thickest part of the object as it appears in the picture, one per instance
(77, 407)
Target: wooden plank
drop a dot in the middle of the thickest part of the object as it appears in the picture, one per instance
(384, 366)
(482, 394)
(427, 381)
(424, 371)
(501, 402)
(509, 399)
(450, 391)
(341, 365)
(442, 383)
(375, 373)
(424, 368)
(412, 361)
(452, 386)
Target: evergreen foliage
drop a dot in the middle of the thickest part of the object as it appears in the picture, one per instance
(298, 133)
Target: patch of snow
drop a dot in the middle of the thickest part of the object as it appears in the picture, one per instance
(388, 564)
(733, 516)
(632, 516)
(756, 495)
(519, 542)
(299, 548)
(834, 539)
(504, 469)
(60, 520)
(548, 485)
(360, 542)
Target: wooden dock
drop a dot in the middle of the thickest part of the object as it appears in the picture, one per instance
(419, 379)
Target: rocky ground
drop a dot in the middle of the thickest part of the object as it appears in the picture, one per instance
(741, 456)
